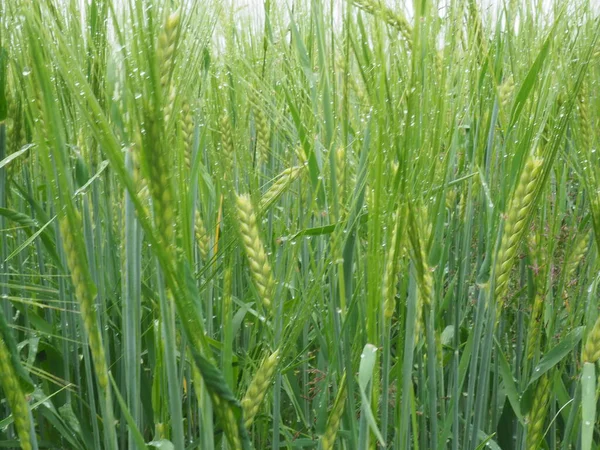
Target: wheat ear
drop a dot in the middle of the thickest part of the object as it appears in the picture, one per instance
(260, 268)
(335, 417)
(14, 394)
(258, 388)
(514, 226)
(537, 415)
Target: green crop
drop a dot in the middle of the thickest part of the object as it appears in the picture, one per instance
(343, 224)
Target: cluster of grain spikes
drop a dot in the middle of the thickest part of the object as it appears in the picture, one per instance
(158, 172)
(227, 147)
(167, 43)
(335, 417)
(535, 324)
(585, 126)
(284, 180)
(15, 396)
(201, 234)
(16, 125)
(156, 160)
(537, 414)
(591, 349)
(595, 212)
(340, 178)
(85, 291)
(420, 227)
(476, 27)
(257, 389)
(514, 227)
(263, 133)
(574, 259)
(351, 83)
(225, 413)
(260, 268)
(187, 132)
(505, 97)
(135, 168)
(391, 267)
(394, 19)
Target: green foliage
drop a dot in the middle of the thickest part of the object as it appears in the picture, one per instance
(321, 226)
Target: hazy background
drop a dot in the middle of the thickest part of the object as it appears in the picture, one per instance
(253, 10)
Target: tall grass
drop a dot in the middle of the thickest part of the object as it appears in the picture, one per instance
(350, 224)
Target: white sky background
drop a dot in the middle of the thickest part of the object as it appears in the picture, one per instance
(251, 12)
(254, 8)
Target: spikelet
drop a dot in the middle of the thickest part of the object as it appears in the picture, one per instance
(359, 92)
(336, 241)
(389, 16)
(14, 394)
(11, 124)
(11, 113)
(424, 275)
(390, 270)
(462, 206)
(227, 306)
(591, 350)
(187, 132)
(299, 152)
(84, 292)
(135, 152)
(537, 415)
(505, 98)
(228, 421)
(157, 397)
(595, 210)
(420, 318)
(514, 226)
(340, 176)
(260, 268)
(196, 380)
(167, 42)
(201, 235)
(476, 26)
(15, 125)
(227, 146)
(258, 388)
(136, 172)
(451, 196)
(505, 92)
(439, 348)
(535, 324)
(335, 417)
(19, 138)
(585, 127)
(575, 257)
(426, 282)
(41, 128)
(579, 251)
(395, 167)
(169, 102)
(262, 134)
(351, 83)
(157, 164)
(283, 181)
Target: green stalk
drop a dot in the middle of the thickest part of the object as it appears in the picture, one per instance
(170, 352)
(132, 314)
